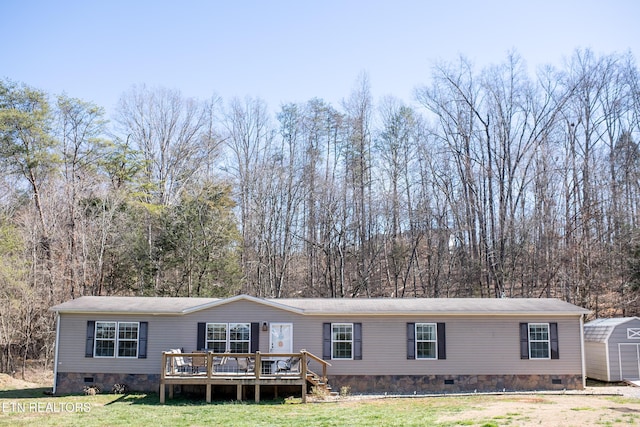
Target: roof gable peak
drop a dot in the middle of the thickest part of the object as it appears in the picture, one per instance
(244, 297)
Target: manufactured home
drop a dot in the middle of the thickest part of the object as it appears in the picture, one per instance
(612, 348)
(369, 345)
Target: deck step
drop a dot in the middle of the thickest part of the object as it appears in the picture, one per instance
(316, 381)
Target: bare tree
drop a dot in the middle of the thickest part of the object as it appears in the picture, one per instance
(81, 125)
(359, 188)
(248, 138)
(173, 134)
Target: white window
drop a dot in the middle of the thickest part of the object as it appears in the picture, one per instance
(539, 343)
(217, 337)
(342, 340)
(231, 337)
(122, 336)
(633, 333)
(426, 341)
(239, 337)
(105, 341)
(128, 339)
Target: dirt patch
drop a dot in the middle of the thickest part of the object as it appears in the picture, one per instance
(533, 400)
(593, 406)
(34, 376)
(559, 410)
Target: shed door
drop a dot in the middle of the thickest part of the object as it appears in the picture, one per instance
(629, 361)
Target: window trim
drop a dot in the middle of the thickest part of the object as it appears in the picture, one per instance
(97, 339)
(441, 341)
(228, 340)
(116, 340)
(633, 333)
(530, 340)
(352, 341)
(435, 341)
(207, 341)
(129, 340)
(247, 341)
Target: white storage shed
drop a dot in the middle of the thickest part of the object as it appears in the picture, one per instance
(612, 349)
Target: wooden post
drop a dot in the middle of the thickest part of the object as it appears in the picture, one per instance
(303, 373)
(258, 365)
(164, 365)
(303, 364)
(162, 376)
(257, 396)
(239, 392)
(324, 373)
(209, 374)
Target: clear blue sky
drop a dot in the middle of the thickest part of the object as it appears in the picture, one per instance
(289, 51)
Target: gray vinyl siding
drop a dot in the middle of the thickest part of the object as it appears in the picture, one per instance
(164, 333)
(474, 344)
(596, 361)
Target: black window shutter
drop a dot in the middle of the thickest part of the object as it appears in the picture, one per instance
(357, 341)
(326, 341)
(442, 342)
(91, 329)
(255, 337)
(553, 332)
(411, 340)
(202, 332)
(142, 340)
(524, 340)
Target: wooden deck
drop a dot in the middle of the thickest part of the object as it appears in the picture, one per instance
(240, 370)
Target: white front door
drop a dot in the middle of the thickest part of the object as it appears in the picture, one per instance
(281, 338)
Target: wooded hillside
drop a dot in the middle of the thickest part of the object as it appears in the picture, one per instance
(496, 183)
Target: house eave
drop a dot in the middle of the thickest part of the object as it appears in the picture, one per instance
(118, 312)
(445, 314)
(341, 314)
(158, 306)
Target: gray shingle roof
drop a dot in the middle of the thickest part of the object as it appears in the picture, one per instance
(433, 305)
(160, 305)
(328, 306)
(599, 330)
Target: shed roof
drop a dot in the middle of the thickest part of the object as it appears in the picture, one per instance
(599, 330)
(327, 306)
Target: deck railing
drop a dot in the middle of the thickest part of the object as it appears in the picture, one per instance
(210, 368)
(249, 364)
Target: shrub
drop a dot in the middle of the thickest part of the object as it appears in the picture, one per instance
(119, 388)
(345, 391)
(92, 390)
(320, 393)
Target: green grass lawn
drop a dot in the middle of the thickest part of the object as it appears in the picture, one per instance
(32, 408)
